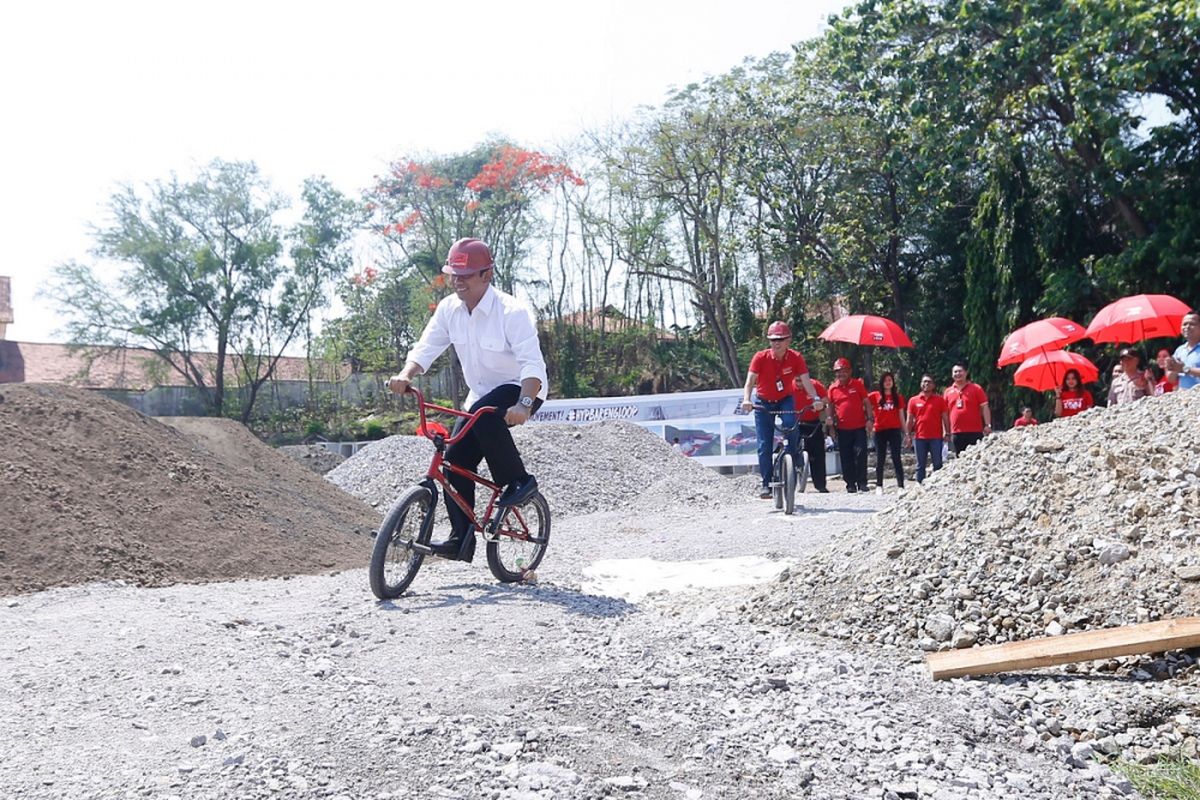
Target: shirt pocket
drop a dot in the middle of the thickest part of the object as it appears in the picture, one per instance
(492, 344)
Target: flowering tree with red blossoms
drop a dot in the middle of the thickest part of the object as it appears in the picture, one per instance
(420, 208)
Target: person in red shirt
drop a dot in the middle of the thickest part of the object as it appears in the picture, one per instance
(852, 413)
(888, 405)
(1071, 397)
(770, 378)
(1162, 384)
(1026, 418)
(970, 416)
(812, 433)
(929, 419)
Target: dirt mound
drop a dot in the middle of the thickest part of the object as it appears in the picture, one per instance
(91, 489)
(580, 469)
(1088, 522)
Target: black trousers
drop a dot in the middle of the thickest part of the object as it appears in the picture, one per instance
(961, 441)
(814, 445)
(490, 439)
(852, 447)
(885, 440)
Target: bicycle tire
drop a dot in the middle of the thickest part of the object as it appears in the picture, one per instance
(511, 558)
(803, 472)
(410, 519)
(777, 482)
(789, 483)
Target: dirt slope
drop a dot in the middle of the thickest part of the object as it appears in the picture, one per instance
(90, 489)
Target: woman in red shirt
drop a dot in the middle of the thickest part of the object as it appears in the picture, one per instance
(1071, 397)
(889, 422)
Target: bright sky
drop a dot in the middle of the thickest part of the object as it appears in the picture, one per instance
(100, 93)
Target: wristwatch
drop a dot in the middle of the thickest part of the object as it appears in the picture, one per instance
(526, 401)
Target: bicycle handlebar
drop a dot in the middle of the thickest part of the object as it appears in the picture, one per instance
(471, 417)
(798, 421)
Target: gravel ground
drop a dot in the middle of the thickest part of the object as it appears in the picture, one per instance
(308, 687)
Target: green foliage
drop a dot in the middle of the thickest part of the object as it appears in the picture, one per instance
(202, 269)
(1173, 777)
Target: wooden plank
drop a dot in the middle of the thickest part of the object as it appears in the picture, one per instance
(1151, 637)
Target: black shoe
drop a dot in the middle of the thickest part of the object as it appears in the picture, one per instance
(862, 487)
(518, 491)
(851, 488)
(456, 548)
(823, 490)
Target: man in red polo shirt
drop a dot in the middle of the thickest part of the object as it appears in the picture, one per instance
(970, 416)
(812, 433)
(851, 414)
(770, 377)
(929, 420)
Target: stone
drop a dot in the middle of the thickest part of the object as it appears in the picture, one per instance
(939, 627)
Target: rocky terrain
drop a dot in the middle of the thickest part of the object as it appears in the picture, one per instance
(1092, 521)
(644, 662)
(580, 469)
(313, 456)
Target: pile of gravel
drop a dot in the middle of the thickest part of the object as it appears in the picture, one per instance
(1084, 523)
(318, 458)
(580, 469)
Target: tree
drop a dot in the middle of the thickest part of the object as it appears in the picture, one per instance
(202, 282)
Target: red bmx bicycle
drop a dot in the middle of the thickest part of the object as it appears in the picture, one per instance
(516, 536)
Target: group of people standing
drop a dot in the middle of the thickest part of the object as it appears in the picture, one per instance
(929, 421)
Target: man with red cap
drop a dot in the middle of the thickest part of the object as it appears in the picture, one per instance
(770, 378)
(496, 340)
(852, 413)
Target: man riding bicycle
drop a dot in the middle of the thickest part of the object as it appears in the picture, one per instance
(496, 340)
(770, 378)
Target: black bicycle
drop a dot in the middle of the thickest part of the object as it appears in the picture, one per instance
(788, 476)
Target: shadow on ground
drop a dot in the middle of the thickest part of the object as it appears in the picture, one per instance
(572, 601)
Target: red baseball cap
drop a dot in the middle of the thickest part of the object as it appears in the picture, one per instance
(466, 257)
(842, 363)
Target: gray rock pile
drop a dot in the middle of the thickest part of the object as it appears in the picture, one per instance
(315, 457)
(1084, 523)
(579, 468)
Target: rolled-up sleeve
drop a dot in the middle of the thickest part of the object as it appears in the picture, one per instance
(434, 340)
(520, 328)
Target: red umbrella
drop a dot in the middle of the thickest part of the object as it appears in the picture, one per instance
(1045, 371)
(1043, 335)
(867, 329)
(1138, 317)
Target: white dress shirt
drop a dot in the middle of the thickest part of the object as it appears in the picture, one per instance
(497, 343)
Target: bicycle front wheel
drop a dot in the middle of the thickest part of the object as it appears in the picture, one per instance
(789, 484)
(777, 482)
(517, 541)
(393, 563)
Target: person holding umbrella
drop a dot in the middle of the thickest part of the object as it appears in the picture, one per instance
(1071, 398)
(1183, 368)
(1130, 384)
(769, 380)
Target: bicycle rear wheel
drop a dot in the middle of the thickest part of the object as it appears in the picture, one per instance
(802, 472)
(517, 541)
(393, 563)
(789, 483)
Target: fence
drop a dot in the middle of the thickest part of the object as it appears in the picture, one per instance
(275, 396)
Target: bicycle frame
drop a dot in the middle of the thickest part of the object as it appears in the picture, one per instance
(438, 468)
